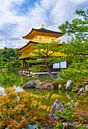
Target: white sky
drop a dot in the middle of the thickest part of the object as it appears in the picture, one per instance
(17, 17)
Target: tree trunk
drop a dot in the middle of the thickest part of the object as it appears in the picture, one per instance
(49, 71)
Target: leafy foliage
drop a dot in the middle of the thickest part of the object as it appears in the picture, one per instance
(45, 53)
(66, 115)
(11, 79)
(59, 125)
(76, 50)
(9, 59)
(81, 127)
(77, 58)
(78, 27)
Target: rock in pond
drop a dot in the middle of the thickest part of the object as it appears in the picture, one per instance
(56, 106)
(86, 88)
(2, 91)
(45, 85)
(31, 127)
(69, 85)
(18, 89)
(31, 84)
(81, 91)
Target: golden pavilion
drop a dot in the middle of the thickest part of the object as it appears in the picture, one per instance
(36, 36)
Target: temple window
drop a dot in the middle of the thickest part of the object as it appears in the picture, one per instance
(40, 39)
(53, 39)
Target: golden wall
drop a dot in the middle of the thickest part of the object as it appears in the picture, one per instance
(44, 39)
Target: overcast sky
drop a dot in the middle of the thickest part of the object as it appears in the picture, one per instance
(17, 17)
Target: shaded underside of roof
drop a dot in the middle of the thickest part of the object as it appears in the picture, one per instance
(30, 42)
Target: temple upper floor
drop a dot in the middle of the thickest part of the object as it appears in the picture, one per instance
(43, 35)
(42, 38)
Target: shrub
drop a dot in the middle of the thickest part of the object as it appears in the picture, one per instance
(66, 115)
(85, 99)
(17, 110)
(62, 82)
(59, 125)
(55, 84)
(81, 127)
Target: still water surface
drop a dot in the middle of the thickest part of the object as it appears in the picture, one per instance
(48, 97)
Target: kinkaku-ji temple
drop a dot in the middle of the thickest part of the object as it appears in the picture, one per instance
(36, 36)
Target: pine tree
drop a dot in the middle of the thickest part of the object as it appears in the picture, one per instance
(77, 28)
(46, 53)
(76, 49)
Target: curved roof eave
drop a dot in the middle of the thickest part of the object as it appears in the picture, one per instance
(26, 45)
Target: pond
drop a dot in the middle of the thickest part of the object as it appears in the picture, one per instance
(48, 97)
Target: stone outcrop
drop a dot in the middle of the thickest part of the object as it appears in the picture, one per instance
(83, 90)
(18, 89)
(39, 85)
(32, 126)
(80, 91)
(74, 125)
(56, 106)
(69, 85)
(86, 88)
(31, 84)
(45, 85)
(2, 91)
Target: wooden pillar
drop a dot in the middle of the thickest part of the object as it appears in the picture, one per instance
(24, 63)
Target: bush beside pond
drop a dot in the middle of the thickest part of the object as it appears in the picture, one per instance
(17, 110)
(59, 84)
(9, 79)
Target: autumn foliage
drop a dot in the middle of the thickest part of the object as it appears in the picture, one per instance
(20, 109)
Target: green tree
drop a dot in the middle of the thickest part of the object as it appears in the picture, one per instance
(9, 59)
(77, 28)
(45, 54)
(77, 57)
(76, 50)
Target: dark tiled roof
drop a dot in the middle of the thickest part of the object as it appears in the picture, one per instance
(47, 31)
(44, 30)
